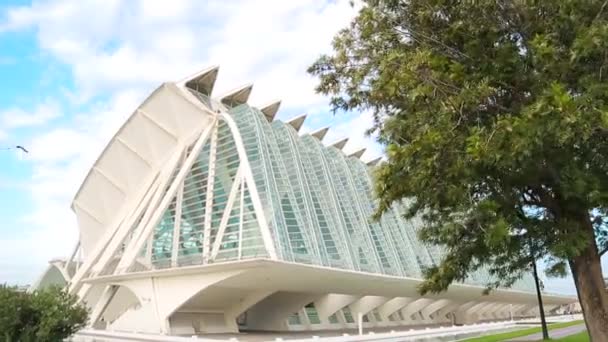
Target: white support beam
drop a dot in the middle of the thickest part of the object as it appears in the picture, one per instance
(102, 303)
(177, 223)
(251, 186)
(366, 304)
(156, 123)
(241, 218)
(73, 255)
(393, 305)
(415, 306)
(209, 195)
(234, 191)
(136, 244)
(114, 235)
(145, 208)
(110, 180)
(133, 150)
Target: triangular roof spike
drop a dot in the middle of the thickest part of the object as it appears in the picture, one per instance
(237, 96)
(271, 109)
(374, 162)
(320, 133)
(340, 143)
(203, 81)
(358, 153)
(297, 122)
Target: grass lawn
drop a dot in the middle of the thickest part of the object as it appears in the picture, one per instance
(524, 332)
(580, 337)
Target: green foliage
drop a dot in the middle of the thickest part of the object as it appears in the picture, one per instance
(494, 115)
(46, 315)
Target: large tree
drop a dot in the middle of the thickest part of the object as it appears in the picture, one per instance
(495, 119)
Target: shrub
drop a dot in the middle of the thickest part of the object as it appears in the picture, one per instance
(45, 315)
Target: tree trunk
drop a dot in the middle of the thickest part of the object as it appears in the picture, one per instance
(587, 273)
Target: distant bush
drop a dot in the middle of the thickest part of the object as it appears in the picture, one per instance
(43, 316)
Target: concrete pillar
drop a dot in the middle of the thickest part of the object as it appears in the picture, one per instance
(392, 306)
(232, 313)
(486, 313)
(526, 310)
(414, 307)
(432, 308)
(515, 308)
(271, 313)
(465, 313)
(448, 309)
(366, 304)
(329, 304)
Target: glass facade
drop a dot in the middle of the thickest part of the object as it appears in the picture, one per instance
(315, 200)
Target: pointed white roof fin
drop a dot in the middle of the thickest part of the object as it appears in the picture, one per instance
(340, 143)
(237, 96)
(270, 110)
(297, 122)
(202, 81)
(374, 162)
(320, 133)
(357, 154)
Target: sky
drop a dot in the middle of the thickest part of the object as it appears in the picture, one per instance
(73, 71)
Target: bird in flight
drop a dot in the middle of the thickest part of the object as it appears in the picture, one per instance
(22, 148)
(18, 147)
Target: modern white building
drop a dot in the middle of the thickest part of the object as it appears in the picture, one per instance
(204, 214)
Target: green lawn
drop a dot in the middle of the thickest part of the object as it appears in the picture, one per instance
(524, 332)
(580, 337)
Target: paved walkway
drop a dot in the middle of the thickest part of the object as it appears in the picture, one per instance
(555, 333)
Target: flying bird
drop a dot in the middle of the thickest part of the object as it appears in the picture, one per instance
(18, 147)
(22, 148)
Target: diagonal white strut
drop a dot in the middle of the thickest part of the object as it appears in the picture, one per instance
(136, 244)
(253, 191)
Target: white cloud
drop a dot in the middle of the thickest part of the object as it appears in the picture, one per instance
(354, 129)
(17, 117)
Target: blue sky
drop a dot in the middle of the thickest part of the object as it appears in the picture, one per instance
(73, 71)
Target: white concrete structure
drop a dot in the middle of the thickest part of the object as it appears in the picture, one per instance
(205, 215)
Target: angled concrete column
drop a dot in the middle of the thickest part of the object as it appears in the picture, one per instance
(329, 304)
(432, 308)
(365, 305)
(525, 311)
(232, 313)
(512, 311)
(466, 313)
(414, 307)
(392, 306)
(477, 313)
(460, 312)
(272, 312)
(451, 308)
(500, 312)
(486, 312)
